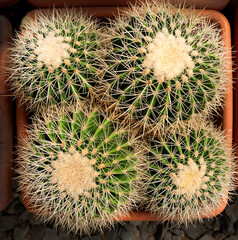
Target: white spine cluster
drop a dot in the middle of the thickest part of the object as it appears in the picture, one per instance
(190, 178)
(52, 50)
(168, 55)
(73, 173)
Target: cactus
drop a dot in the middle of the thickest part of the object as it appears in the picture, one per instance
(79, 169)
(190, 172)
(165, 65)
(54, 58)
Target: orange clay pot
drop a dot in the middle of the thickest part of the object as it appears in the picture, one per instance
(227, 114)
(236, 91)
(7, 3)
(6, 123)
(208, 4)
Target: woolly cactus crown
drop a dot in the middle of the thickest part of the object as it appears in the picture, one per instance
(165, 65)
(79, 169)
(191, 173)
(54, 58)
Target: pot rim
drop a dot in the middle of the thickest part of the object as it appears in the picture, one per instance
(208, 4)
(6, 132)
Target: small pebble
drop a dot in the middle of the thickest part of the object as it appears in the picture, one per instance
(207, 237)
(7, 222)
(20, 233)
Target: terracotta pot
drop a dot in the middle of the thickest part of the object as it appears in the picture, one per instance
(6, 123)
(236, 90)
(227, 114)
(208, 4)
(7, 3)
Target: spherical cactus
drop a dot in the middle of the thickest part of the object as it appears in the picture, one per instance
(79, 169)
(165, 65)
(191, 174)
(54, 58)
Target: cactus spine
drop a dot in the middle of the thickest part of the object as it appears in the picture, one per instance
(79, 169)
(54, 59)
(190, 173)
(165, 65)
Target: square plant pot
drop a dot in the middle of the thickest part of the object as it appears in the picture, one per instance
(227, 112)
(6, 121)
(7, 3)
(236, 89)
(208, 4)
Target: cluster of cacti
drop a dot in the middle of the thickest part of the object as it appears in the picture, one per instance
(164, 65)
(165, 68)
(54, 59)
(79, 169)
(190, 174)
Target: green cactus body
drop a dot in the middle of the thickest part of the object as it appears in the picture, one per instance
(164, 65)
(190, 174)
(79, 169)
(54, 59)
